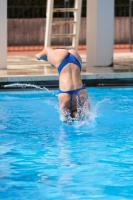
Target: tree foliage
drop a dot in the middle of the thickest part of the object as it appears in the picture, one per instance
(57, 2)
(26, 8)
(117, 2)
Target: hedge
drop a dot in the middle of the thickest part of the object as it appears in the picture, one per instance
(23, 9)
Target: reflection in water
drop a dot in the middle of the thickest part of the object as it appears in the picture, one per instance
(65, 153)
(3, 117)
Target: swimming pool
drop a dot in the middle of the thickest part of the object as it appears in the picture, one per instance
(43, 158)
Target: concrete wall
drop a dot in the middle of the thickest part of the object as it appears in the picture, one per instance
(122, 30)
(100, 33)
(31, 31)
(3, 33)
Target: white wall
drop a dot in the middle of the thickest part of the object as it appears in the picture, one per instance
(100, 32)
(3, 34)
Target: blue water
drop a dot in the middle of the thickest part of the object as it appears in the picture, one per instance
(43, 159)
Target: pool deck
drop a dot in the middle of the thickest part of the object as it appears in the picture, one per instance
(25, 68)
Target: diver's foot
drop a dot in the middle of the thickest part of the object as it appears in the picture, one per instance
(41, 55)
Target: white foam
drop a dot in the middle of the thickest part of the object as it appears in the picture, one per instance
(85, 115)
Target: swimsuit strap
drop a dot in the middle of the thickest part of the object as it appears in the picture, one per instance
(71, 100)
(63, 63)
(70, 58)
(71, 97)
(79, 100)
(71, 92)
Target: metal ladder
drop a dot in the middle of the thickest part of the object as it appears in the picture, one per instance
(76, 23)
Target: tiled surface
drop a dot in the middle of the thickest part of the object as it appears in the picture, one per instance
(123, 62)
(27, 68)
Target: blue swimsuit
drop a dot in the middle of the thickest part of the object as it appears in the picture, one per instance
(70, 58)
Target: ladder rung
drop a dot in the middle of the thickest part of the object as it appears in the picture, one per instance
(63, 35)
(63, 22)
(68, 47)
(65, 9)
(64, 47)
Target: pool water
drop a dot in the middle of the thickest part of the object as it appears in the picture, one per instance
(42, 158)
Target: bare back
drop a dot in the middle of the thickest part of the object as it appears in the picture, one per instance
(69, 78)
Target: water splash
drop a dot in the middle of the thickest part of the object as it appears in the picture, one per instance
(85, 115)
(95, 109)
(25, 85)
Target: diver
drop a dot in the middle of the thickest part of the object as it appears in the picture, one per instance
(72, 95)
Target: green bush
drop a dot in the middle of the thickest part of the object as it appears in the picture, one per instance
(24, 10)
(43, 2)
(121, 2)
